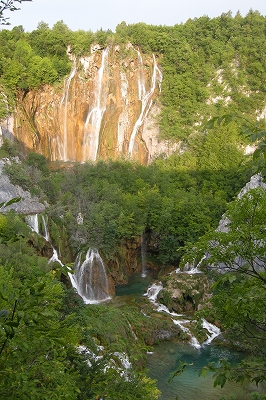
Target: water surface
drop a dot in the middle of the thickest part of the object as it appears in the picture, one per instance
(164, 361)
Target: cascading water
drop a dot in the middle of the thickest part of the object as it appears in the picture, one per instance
(90, 278)
(63, 148)
(123, 119)
(45, 229)
(95, 114)
(213, 330)
(32, 221)
(145, 97)
(143, 255)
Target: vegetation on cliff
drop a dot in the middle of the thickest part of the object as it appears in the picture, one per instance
(209, 66)
(174, 201)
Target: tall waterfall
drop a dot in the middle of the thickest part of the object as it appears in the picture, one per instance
(145, 97)
(143, 255)
(90, 278)
(95, 114)
(64, 148)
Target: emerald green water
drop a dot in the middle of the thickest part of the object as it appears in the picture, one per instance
(137, 285)
(164, 361)
(189, 386)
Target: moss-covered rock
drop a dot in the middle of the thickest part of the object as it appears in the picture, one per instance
(185, 292)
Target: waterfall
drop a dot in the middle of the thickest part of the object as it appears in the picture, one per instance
(32, 222)
(64, 107)
(55, 258)
(213, 330)
(143, 255)
(153, 291)
(193, 341)
(95, 114)
(123, 119)
(45, 228)
(145, 97)
(90, 278)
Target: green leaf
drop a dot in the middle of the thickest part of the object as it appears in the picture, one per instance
(4, 313)
(14, 200)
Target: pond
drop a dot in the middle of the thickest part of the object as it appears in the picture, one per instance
(164, 361)
(137, 285)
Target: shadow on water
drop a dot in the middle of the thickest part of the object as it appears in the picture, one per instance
(164, 361)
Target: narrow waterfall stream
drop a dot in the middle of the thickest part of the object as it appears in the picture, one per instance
(95, 114)
(145, 96)
(163, 361)
(63, 154)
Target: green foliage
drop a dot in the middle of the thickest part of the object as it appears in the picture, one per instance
(239, 295)
(42, 326)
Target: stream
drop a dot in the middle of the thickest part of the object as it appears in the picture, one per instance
(164, 360)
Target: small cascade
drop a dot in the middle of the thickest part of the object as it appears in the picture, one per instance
(153, 292)
(64, 110)
(90, 278)
(145, 97)
(193, 340)
(45, 229)
(95, 114)
(213, 330)
(32, 222)
(143, 255)
(55, 258)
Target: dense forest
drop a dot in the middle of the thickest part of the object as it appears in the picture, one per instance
(211, 68)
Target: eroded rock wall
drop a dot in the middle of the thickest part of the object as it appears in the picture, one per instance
(107, 108)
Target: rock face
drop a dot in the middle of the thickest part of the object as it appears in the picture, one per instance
(27, 204)
(107, 108)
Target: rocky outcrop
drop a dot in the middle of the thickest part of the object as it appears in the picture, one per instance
(108, 107)
(27, 204)
(184, 292)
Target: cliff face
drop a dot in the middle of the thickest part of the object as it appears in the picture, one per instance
(8, 191)
(106, 109)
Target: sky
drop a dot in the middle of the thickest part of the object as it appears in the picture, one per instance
(92, 15)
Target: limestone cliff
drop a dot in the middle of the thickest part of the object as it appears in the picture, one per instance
(107, 108)
(27, 205)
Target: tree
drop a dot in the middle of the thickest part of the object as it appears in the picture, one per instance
(8, 5)
(238, 250)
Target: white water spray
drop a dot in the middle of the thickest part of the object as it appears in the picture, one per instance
(145, 97)
(32, 222)
(64, 110)
(95, 114)
(90, 278)
(143, 255)
(213, 330)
